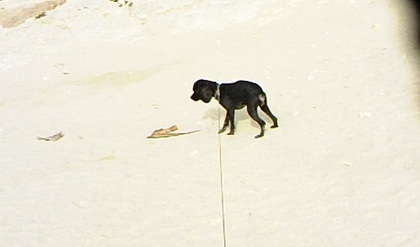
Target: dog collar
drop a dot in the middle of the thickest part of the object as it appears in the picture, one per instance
(217, 94)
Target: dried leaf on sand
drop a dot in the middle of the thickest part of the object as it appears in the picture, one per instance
(169, 132)
(15, 17)
(52, 138)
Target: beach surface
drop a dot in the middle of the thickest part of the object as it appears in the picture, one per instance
(342, 169)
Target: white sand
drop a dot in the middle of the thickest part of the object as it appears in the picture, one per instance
(342, 169)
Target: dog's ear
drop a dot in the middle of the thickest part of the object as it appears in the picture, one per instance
(207, 93)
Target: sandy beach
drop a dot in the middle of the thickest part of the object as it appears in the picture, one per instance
(342, 169)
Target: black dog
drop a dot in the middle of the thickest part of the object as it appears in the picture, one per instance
(234, 96)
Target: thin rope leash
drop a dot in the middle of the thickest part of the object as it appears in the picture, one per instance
(222, 197)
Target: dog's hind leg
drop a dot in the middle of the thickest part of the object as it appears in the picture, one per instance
(266, 110)
(253, 113)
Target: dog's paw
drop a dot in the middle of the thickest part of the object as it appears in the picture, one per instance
(274, 126)
(231, 133)
(259, 136)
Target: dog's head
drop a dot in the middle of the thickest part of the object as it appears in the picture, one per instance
(204, 90)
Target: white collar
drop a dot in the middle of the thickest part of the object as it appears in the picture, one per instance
(217, 94)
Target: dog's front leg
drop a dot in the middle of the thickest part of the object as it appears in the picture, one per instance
(225, 124)
(231, 115)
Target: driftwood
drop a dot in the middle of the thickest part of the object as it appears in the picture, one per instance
(15, 17)
(169, 132)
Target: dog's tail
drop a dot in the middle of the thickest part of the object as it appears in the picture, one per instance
(262, 99)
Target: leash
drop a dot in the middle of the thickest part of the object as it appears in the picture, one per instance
(222, 197)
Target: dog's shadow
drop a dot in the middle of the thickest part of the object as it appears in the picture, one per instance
(216, 114)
